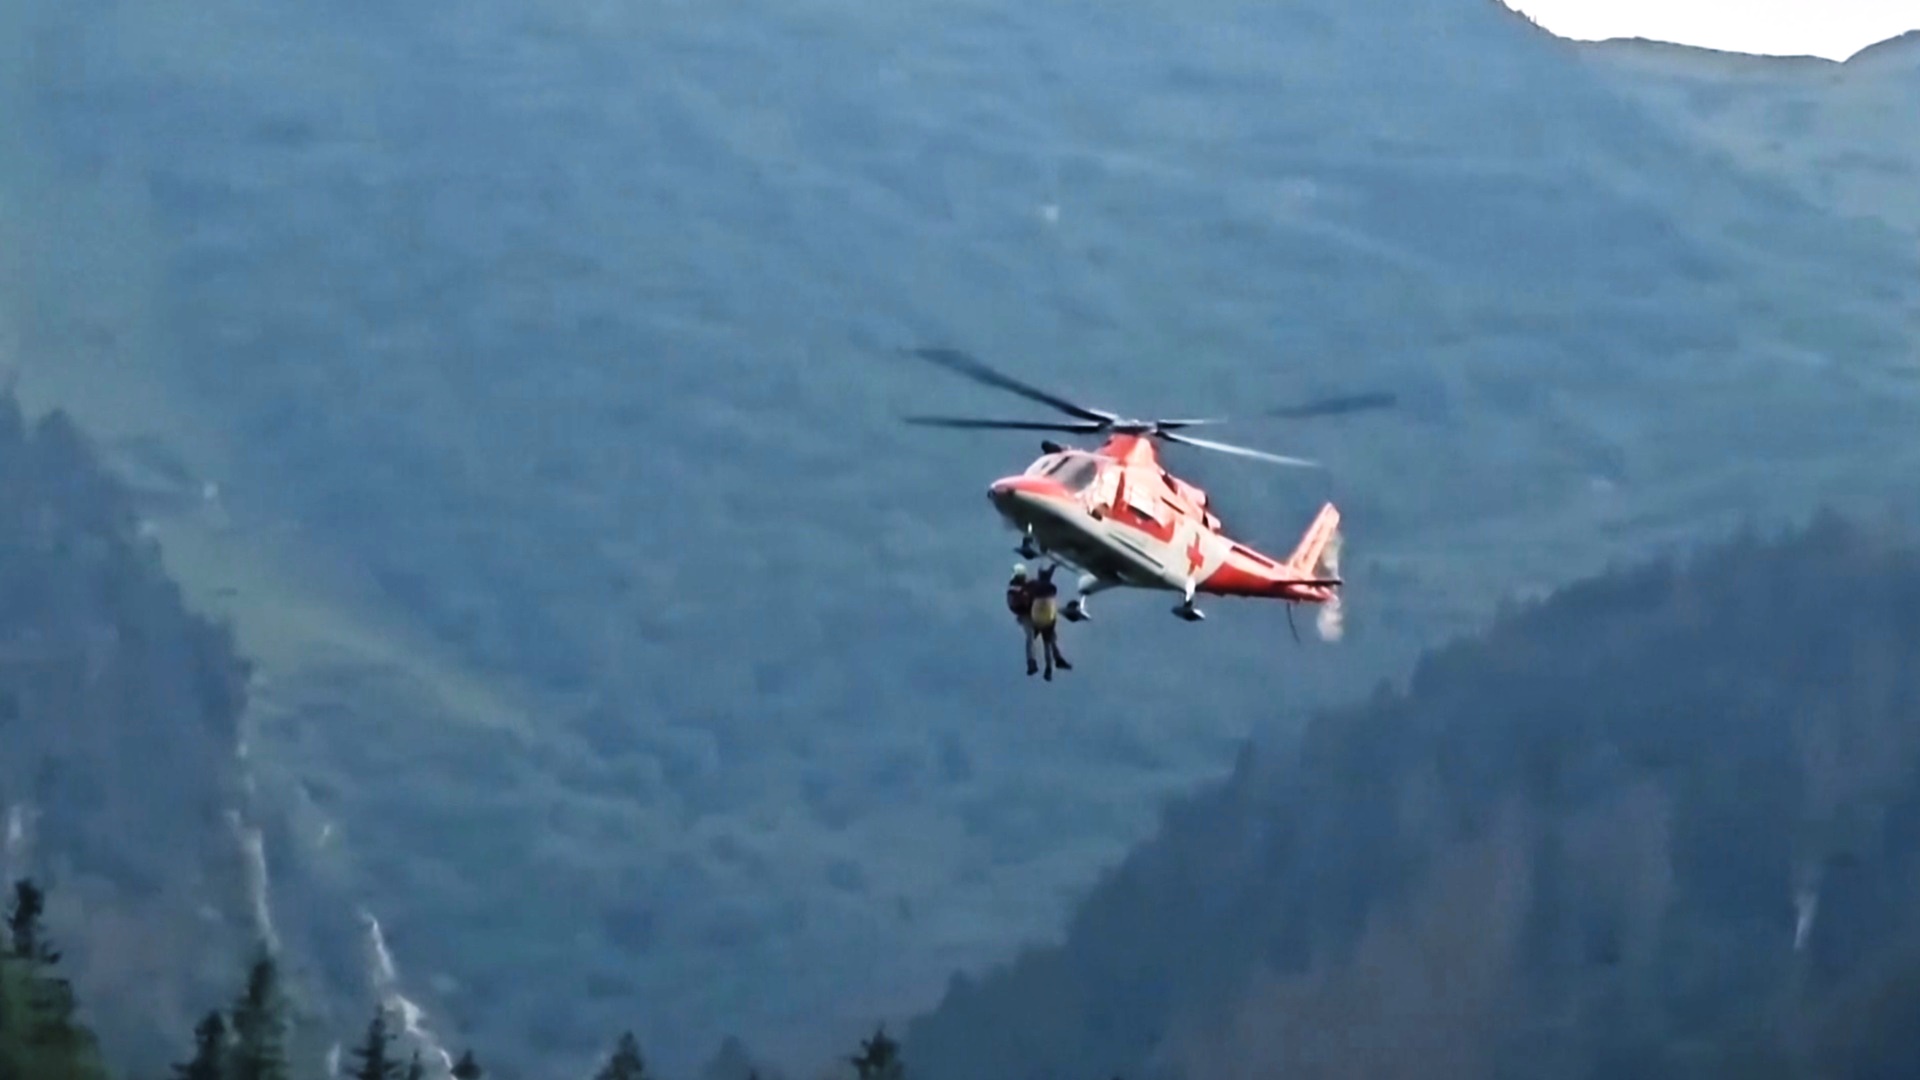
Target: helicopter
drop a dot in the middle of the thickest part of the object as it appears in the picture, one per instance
(1119, 517)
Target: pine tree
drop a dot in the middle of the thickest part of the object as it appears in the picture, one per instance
(626, 1062)
(730, 1062)
(26, 939)
(879, 1058)
(259, 1048)
(40, 1039)
(374, 1056)
(467, 1068)
(210, 1048)
(45, 1002)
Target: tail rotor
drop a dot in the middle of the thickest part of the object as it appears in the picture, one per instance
(1331, 620)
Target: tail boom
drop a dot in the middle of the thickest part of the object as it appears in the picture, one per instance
(1310, 575)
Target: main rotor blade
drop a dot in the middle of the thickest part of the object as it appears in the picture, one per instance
(1333, 406)
(1084, 428)
(961, 363)
(1243, 451)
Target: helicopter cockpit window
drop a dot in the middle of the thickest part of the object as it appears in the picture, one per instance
(1047, 466)
(1077, 472)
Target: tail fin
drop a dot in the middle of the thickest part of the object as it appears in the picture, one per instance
(1318, 557)
(1319, 548)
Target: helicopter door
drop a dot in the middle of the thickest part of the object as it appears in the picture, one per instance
(1105, 490)
(1146, 503)
(1147, 507)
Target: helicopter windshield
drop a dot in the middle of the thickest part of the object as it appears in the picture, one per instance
(1075, 472)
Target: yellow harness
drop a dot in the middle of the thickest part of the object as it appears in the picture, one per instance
(1043, 612)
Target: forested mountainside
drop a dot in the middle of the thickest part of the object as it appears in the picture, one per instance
(1663, 823)
(520, 385)
(1660, 823)
(120, 718)
(1841, 134)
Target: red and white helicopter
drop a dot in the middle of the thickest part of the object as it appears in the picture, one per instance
(1120, 518)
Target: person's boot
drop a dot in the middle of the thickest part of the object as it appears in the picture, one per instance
(1033, 667)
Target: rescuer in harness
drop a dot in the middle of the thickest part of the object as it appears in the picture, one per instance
(1020, 606)
(1036, 606)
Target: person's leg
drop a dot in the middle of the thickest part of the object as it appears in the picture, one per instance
(1046, 639)
(1053, 645)
(1026, 628)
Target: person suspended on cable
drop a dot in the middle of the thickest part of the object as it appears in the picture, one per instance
(1020, 605)
(1044, 617)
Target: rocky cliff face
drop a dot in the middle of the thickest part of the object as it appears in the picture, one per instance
(120, 736)
(130, 782)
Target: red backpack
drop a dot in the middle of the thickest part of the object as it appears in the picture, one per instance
(1019, 598)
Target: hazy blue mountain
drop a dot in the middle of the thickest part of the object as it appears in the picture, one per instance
(538, 361)
(1661, 824)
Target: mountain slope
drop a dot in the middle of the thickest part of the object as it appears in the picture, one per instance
(1659, 824)
(1842, 134)
(540, 360)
